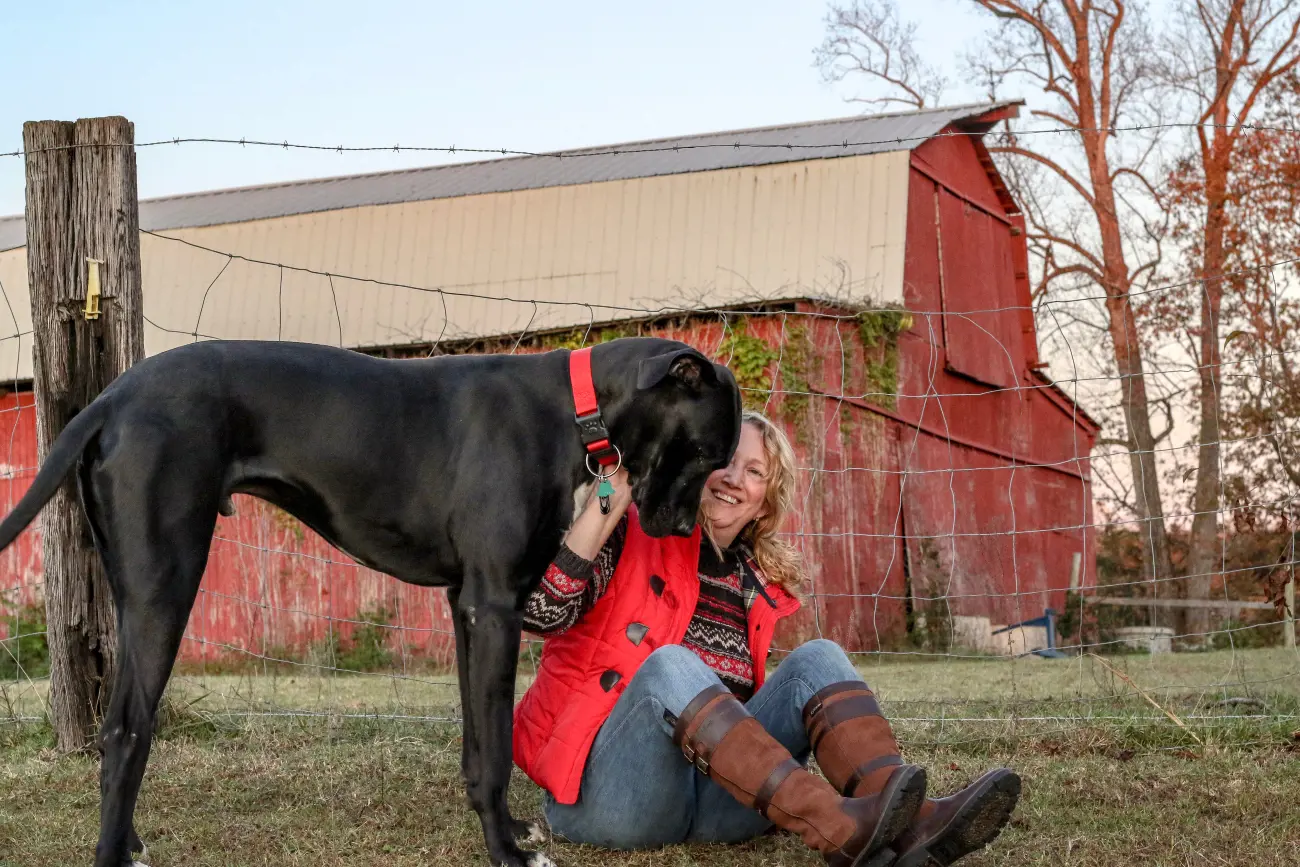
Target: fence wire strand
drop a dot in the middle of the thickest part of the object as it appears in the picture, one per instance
(676, 147)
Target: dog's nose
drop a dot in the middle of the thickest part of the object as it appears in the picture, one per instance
(684, 526)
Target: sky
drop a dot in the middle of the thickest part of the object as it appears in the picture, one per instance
(527, 76)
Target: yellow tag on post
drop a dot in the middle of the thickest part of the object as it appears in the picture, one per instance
(92, 288)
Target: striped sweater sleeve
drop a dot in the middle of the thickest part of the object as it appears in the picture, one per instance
(571, 586)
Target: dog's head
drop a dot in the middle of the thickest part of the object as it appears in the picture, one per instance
(681, 424)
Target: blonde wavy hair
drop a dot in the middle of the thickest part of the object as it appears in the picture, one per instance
(779, 562)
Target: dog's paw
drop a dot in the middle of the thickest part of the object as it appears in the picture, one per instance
(524, 859)
(526, 833)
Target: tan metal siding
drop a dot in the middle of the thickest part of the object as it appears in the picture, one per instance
(830, 227)
(15, 328)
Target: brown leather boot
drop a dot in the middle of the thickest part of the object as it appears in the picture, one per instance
(852, 740)
(725, 743)
(946, 829)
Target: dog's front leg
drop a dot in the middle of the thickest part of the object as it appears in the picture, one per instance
(488, 632)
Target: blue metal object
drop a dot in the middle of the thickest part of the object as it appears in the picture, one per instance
(1048, 620)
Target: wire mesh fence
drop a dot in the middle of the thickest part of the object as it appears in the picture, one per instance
(960, 513)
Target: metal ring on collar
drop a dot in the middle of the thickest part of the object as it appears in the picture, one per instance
(596, 472)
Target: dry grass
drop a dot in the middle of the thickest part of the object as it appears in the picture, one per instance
(1107, 780)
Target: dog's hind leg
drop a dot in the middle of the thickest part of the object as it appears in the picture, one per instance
(154, 535)
(488, 630)
(149, 636)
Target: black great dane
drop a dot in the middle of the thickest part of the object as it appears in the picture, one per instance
(457, 472)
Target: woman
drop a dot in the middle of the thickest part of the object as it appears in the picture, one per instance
(651, 721)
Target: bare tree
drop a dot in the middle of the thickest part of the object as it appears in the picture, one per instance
(1224, 57)
(866, 37)
(1089, 63)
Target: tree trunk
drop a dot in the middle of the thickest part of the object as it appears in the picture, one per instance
(1156, 563)
(81, 203)
(1205, 558)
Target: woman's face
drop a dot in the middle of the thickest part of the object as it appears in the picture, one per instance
(736, 494)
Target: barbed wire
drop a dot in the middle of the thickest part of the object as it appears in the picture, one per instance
(649, 147)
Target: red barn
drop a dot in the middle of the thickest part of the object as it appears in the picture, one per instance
(866, 278)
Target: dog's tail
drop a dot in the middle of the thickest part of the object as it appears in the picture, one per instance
(67, 447)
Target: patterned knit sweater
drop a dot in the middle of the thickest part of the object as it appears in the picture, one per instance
(717, 631)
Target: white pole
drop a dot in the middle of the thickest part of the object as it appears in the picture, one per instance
(1288, 627)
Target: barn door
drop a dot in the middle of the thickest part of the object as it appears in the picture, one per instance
(981, 316)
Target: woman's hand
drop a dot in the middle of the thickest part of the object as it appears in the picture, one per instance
(591, 528)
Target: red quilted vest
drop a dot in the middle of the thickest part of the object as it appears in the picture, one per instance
(585, 669)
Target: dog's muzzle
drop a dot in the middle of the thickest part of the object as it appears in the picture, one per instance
(684, 527)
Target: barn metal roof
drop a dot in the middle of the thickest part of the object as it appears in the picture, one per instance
(849, 136)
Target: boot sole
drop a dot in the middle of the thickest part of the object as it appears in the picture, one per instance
(973, 827)
(901, 798)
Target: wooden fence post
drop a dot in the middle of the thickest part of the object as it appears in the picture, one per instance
(81, 205)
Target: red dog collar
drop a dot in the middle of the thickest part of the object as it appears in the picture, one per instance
(595, 438)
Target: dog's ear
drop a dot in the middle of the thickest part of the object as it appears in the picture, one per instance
(687, 366)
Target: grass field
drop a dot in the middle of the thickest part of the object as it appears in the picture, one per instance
(1110, 779)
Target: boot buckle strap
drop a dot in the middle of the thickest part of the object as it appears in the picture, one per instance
(824, 717)
(696, 758)
(866, 769)
(719, 720)
(696, 706)
(851, 707)
(767, 791)
(817, 703)
(705, 722)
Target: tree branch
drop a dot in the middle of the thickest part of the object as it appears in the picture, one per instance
(866, 37)
(1016, 150)
(1012, 11)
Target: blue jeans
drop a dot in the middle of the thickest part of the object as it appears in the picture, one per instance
(639, 792)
